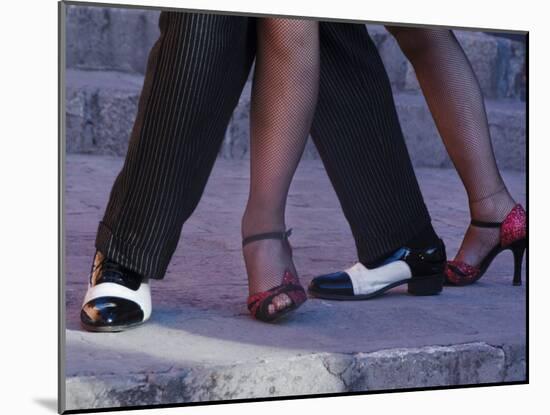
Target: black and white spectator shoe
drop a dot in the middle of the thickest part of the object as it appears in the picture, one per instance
(421, 269)
(117, 298)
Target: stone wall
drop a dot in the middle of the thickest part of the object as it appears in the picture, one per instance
(107, 50)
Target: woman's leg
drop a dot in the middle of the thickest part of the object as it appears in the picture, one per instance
(455, 100)
(284, 95)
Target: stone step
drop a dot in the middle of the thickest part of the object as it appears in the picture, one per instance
(100, 112)
(105, 38)
(120, 39)
(101, 107)
(507, 121)
(499, 63)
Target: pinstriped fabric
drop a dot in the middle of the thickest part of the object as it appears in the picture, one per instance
(358, 135)
(195, 74)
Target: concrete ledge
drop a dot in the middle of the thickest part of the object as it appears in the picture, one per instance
(319, 373)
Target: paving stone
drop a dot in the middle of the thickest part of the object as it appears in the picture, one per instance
(201, 344)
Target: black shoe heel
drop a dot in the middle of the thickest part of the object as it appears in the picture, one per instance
(426, 285)
(518, 249)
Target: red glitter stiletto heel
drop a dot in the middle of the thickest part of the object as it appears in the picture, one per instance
(258, 304)
(513, 236)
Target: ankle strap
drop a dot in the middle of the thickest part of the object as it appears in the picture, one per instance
(481, 224)
(268, 235)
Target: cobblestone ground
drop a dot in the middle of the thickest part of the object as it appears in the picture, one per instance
(200, 319)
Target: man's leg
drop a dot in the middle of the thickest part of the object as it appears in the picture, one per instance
(359, 138)
(358, 135)
(195, 74)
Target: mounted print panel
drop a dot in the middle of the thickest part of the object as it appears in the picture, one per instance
(193, 142)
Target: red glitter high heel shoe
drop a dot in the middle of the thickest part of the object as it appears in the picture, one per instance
(258, 304)
(513, 236)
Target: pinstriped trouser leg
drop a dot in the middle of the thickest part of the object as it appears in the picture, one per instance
(359, 138)
(195, 75)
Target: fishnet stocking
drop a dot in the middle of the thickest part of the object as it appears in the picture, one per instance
(455, 100)
(284, 95)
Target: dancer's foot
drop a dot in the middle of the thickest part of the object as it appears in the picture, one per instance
(421, 268)
(491, 238)
(274, 287)
(117, 298)
(478, 241)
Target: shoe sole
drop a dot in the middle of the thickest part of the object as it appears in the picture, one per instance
(418, 286)
(110, 329)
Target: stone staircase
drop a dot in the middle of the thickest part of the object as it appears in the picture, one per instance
(107, 50)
